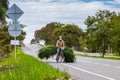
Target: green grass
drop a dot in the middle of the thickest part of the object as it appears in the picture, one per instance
(105, 57)
(29, 68)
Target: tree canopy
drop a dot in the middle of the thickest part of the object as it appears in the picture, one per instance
(70, 33)
(51, 31)
(99, 28)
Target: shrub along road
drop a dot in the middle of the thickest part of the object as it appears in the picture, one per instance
(84, 68)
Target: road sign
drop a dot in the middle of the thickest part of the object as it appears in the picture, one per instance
(14, 12)
(14, 42)
(14, 30)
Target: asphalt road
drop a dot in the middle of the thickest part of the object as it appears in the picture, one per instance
(84, 68)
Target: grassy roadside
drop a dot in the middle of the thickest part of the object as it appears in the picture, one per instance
(28, 68)
(105, 57)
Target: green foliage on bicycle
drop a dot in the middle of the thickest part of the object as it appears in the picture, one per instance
(51, 50)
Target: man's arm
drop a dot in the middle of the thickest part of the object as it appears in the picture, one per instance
(63, 43)
(57, 44)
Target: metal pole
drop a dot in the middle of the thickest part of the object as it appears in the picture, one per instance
(15, 29)
(15, 38)
(15, 48)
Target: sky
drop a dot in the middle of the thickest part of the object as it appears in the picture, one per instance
(38, 13)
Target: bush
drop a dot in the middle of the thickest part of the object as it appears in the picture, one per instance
(5, 48)
(47, 52)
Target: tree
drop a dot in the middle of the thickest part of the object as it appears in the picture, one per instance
(3, 34)
(46, 32)
(98, 29)
(3, 8)
(115, 32)
(5, 39)
(70, 33)
(83, 41)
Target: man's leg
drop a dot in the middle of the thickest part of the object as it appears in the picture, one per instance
(58, 50)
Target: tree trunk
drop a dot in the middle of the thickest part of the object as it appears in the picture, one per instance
(103, 52)
(119, 53)
(103, 48)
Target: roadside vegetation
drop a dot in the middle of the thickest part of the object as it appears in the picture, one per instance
(25, 67)
(111, 57)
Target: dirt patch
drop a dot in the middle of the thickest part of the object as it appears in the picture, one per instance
(5, 67)
(4, 55)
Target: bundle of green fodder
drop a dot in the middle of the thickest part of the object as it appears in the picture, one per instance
(51, 50)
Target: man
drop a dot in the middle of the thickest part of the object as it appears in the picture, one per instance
(60, 46)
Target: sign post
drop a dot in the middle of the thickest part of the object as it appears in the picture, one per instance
(14, 13)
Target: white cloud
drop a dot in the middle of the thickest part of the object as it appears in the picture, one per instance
(38, 14)
(111, 2)
(117, 1)
(45, 1)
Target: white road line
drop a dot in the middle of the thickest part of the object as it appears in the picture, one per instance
(97, 63)
(88, 72)
(89, 62)
(106, 65)
(82, 60)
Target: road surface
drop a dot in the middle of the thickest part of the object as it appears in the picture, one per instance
(84, 68)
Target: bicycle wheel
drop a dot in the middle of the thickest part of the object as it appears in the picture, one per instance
(61, 57)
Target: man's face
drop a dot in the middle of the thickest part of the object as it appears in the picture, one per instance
(60, 37)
